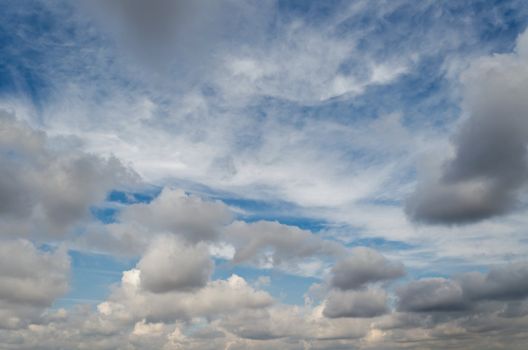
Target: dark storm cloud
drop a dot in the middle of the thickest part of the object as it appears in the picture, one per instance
(489, 169)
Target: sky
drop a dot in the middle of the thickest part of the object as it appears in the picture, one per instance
(263, 174)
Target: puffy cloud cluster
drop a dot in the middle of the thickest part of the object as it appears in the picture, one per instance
(133, 302)
(350, 282)
(231, 314)
(363, 303)
(488, 172)
(501, 284)
(196, 221)
(30, 280)
(46, 187)
(271, 244)
(170, 265)
(362, 267)
(175, 212)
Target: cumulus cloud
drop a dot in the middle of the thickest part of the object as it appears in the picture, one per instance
(170, 265)
(46, 188)
(500, 284)
(362, 267)
(30, 280)
(489, 169)
(132, 303)
(287, 115)
(176, 212)
(364, 303)
(228, 313)
(503, 282)
(434, 294)
(271, 244)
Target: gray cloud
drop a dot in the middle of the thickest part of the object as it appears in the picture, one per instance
(170, 265)
(505, 282)
(364, 303)
(431, 295)
(269, 243)
(46, 188)
(362, 267)
(489, 169)
(30, 280)
(502, 283)
(187, 216)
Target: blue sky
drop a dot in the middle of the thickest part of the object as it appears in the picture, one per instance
(246, 174)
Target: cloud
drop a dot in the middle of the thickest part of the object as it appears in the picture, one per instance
(47, 188)
(228, 313)
(30, 280)
(364, 303)
(504, 282)
(170, 265)
(182, 36)
(362, 267)
(271, 244)
(156, 30)
(489, 169)
(132, 303)
(500, 284)
(432, 295)
(187, 216)
(288, 106)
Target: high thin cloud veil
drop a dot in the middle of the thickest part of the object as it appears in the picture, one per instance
(243, 174)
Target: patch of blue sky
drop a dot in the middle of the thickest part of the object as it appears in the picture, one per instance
(92, 276)
(105, 215)
(499, 22)
(246, 209)
(107, 212)
(287, 288)
(313, 9)
(124, 197)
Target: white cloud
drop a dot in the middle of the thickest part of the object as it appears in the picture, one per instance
(132, 303)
